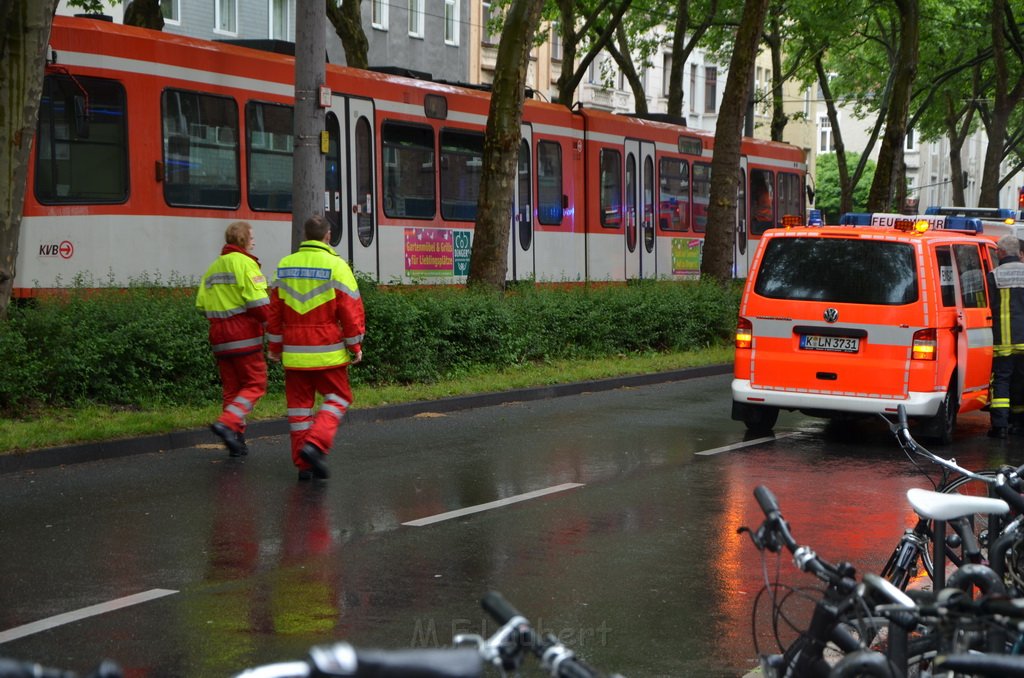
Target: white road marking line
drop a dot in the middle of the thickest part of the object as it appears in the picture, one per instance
(746, 443)
(491, 504)
(76, 615)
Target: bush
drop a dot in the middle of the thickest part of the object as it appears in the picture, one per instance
(147, 345)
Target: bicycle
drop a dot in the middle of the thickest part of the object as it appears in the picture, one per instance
(918, 549)
(845, 617)
(504, 650)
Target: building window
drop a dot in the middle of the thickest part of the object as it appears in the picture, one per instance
(666, 73)
(451, 22)
(379, 14)
(693, 88)
(556, 41)
(280, 24)
(910, 143)
(826, 143)
(171, 10)
(487, 16)
(226, 19)
(710, 88)
(416, 18)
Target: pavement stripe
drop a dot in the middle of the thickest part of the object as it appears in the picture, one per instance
(76, 615)
(491, 505)
(745, 443)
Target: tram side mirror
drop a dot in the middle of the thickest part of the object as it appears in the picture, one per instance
(81, 118)
(810, 194)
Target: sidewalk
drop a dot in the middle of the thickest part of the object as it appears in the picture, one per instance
(74, 454)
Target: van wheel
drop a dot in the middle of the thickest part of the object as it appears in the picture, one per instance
(760, 417)
(940, 427)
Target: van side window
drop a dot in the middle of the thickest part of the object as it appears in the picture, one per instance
(944, 258)
(972, 278)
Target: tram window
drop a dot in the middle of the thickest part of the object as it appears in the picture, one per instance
(200, 149)
(525, 225)
(791, 197)
(408, 170)
(269, 134)
(649, 204)
(81, 145)
(549, 183)
(631, 237)
(462, 156)
(762, 201)
(701, 195)
(611, 188)
(364, 181)
(674, 194)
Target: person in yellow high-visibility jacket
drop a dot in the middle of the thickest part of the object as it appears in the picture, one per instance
(233, 295)
(316, 330)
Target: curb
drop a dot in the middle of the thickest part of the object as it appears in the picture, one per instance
(76, 454)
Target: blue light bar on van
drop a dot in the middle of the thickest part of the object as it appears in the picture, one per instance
(935, 221)
(990, 213)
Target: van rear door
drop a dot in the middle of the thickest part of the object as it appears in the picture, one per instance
(835, 315)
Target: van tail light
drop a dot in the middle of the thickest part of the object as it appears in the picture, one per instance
(924, 344)
(744, 333)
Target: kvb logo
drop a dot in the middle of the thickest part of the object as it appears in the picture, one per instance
(64, 249)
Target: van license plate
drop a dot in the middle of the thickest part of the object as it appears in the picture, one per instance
(816, 342)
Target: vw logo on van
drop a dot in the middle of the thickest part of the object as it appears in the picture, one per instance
(831, 315)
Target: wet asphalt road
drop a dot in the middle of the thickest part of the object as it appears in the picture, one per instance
(631, 556)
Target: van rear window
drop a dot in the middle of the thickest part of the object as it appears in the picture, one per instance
(839, 270)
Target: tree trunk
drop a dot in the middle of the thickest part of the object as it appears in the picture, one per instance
(958, 126)
(718, 241)
(488, 260)
(779, 117)
(619, 49)
(889, 170)
(348, 24)
(569, 79)
(1006, 99)
(145, 14)
(24, 35)
(308, 181)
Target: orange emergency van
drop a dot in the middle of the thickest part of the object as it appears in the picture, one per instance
(847, 320)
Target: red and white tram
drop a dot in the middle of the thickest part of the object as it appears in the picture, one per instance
(149, 144)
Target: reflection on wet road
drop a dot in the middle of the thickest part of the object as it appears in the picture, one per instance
(599, 516)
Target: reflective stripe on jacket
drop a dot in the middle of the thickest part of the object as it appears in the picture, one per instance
(233, 295)
(316, 315)
(1007, 285)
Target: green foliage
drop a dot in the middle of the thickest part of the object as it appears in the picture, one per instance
(147, 345)
(827, 192)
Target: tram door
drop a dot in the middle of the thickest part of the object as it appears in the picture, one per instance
(741, 247)
(520, 237)
(638, 210)
(349, 200)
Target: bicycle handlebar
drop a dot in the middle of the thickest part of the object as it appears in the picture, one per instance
(12, 668)
(558, 660)
(902, 431)
(342, 659)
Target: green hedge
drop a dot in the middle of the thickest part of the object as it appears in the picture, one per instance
(147, 345)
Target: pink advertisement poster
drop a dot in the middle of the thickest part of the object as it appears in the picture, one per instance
(429, 252)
